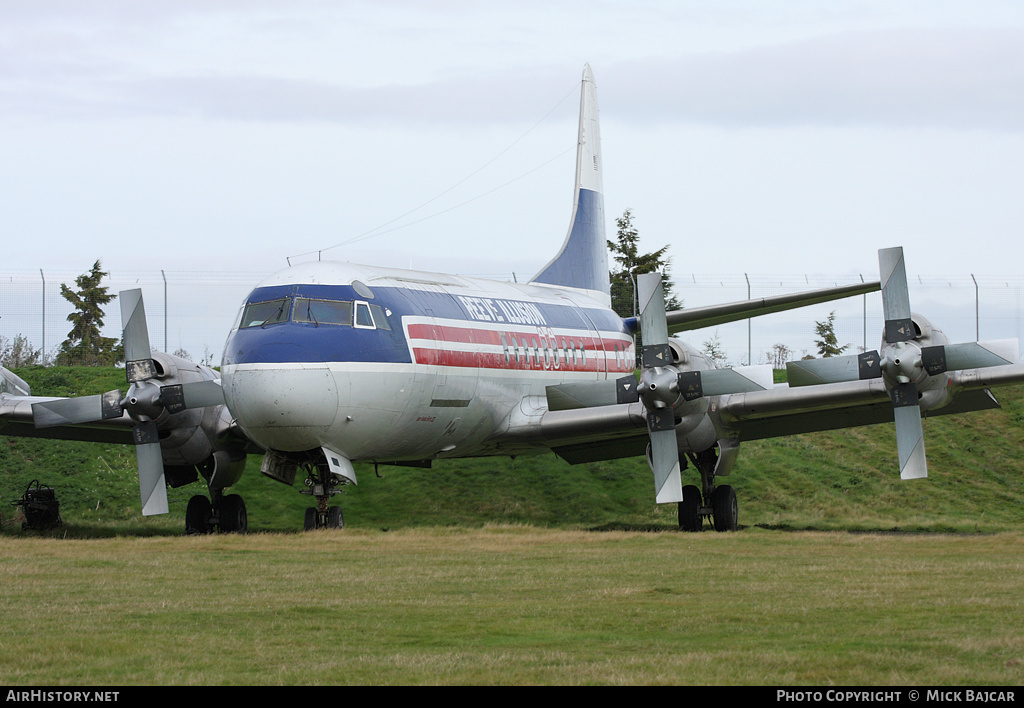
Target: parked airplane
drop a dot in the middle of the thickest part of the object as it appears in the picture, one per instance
(332, 363)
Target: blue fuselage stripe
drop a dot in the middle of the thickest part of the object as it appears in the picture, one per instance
(306, 342)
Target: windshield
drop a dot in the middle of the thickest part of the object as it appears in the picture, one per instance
(260, 314)
(316, 312)
(322, 311)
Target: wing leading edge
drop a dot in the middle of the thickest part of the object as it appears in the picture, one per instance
(712, 315)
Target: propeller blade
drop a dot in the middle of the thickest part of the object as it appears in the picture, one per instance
(663, 456)
(588, 394)
(716, 382)
(199, 394)
(152, 485)
(909, 432)
(137, 354)
(83, 409)
(653, 326)
(835, 369)
(969, 355)
(899, 327)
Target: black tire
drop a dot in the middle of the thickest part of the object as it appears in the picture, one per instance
(726, 508)
(310, 521)
(335, 519)
(197, 515)
(689, 509)
(233, 517)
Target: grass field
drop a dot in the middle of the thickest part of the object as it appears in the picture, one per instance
(514, 605)
(531, 571)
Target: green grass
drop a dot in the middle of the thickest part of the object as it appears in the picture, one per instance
(514, 605)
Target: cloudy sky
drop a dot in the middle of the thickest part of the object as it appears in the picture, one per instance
(753, 137)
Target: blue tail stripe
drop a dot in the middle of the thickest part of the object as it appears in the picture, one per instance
(583, 261)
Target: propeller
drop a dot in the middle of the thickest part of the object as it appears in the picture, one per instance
(659, 389)
(144, 403)
(902, 363)
(660, 386)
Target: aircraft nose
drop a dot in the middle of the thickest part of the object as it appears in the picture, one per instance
(283, 406)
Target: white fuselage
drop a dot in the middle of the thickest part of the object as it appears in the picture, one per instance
(399, 365)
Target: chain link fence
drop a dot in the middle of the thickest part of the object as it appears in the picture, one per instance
(191, 312)
(187, 312)
(964, 308)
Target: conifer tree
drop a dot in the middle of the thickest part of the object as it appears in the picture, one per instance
(631, 262)
(85, 345)
(828, 345)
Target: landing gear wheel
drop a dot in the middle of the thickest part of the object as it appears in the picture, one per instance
(726, 509)
(197, 515)
(334, 518)
(689, 509)
(233, 518)
(322, 484)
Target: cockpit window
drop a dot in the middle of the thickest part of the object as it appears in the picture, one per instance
(378, 317)
(363, 317)
(261, 314)
(307, 310)
(322, 311)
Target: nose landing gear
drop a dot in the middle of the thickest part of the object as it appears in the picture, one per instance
(322, 485)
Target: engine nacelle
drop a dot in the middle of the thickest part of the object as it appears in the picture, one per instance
(688, 358)
(699, 379)
(902, 362)
(197, 440)
(925, 333)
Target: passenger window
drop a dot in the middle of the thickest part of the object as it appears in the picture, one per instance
(261, 314)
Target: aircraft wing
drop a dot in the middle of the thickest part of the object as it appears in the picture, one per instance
(620, 430)
(712, 315)
(805, 409)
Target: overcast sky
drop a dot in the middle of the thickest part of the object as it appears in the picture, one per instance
(753, 137)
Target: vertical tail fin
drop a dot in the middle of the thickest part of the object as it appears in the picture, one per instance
(583, 260)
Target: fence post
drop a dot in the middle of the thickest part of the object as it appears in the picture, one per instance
(164, 276)
(43, 318)
(977, 324)
(865, 297)
(750, 360)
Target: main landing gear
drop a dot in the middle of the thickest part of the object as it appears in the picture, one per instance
(322, 485)
(718, 503)
(225, 513)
